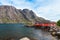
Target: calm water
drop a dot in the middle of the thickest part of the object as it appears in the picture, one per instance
(19, 30)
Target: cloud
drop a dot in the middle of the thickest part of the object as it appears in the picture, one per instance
(4, 2)
(49, 9)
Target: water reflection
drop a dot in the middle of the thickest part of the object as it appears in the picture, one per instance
(19, 30)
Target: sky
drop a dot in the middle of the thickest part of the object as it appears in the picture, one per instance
(48, 9)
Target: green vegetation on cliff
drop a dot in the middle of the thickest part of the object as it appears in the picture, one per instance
(58, 23)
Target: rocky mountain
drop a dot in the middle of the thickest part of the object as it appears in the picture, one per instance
(9, 14)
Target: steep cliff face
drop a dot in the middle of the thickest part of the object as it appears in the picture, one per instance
(9, 14)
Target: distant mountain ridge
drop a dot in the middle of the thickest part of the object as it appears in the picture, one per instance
(9, 14)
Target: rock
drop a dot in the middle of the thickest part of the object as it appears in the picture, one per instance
(25, 38)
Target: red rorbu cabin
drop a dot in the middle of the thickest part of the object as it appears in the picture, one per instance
(45, 24)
